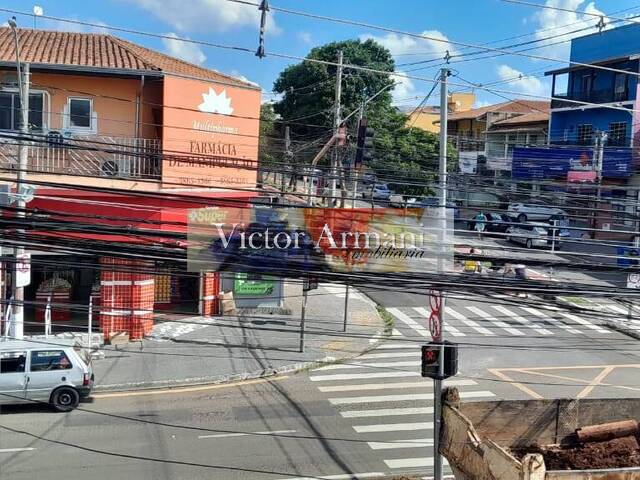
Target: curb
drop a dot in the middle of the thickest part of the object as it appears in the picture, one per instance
(379, 337)
(621, 329)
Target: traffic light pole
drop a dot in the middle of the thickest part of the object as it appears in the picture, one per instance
(442, 220)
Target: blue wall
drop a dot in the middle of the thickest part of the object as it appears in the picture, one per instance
(598, 117)
(613, 43)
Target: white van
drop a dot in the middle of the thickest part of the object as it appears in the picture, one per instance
(57, 373)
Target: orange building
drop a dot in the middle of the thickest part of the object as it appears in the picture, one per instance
(115, 124)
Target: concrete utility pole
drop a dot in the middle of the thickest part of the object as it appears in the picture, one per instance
(598, 159)
(336, 126)
(288, 155)
(17, 330)
(442, 217)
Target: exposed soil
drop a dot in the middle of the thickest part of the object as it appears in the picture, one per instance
(617, 453)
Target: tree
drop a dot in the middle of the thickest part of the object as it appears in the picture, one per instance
(408, 155)
(268, 146)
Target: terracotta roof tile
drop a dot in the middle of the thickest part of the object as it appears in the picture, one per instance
(512, 106)
(99, 51)
(525, 118)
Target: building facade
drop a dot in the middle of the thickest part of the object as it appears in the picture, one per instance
(130, 138)
(428, 118)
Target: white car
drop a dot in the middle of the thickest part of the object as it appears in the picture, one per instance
(532, 211)
(379, 191)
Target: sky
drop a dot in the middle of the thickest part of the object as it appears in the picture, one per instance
(439, 23)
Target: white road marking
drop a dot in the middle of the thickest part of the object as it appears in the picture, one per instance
(584, 322)
(344, 366)
(389, 386)
(344, 476)
(389, 355)
(239, 434)
(522, 320)
(494, 321)
(387, 412)
(393, 427)
(549, 318)
(362, 376)
(390, 346)
(447, 326)
(411, 323)
(616, 309)
(468, 322)
(410, 462)
(12, 450)
(414, 443)
(404, 397)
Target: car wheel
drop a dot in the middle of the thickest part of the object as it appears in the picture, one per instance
(65, 399)
(522, 218)
(529, 243)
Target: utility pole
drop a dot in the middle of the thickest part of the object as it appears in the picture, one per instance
(598, 160)
(336, 126)
(442, 217)
(17, 330)
(288, 155)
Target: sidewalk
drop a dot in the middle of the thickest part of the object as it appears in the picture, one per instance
(198, 350)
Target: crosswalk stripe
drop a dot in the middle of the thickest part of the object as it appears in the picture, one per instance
(494, 321)
(393, 427)
(447, 326)
(584, 322)
(522, 320)
(387, 412)
(411, 323)
(345, 366)
(362, 376)
(391, 346)
(410, 462)
(468, 322)
(404, 397)
(342, 476)
(414, 443)
(616, 309)
(389, 386)
(368, 356)
(549, 318)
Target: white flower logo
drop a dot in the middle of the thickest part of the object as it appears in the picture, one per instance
(213, 103)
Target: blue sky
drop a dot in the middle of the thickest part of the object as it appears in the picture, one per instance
(468, 21)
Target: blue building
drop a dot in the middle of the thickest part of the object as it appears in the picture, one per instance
(574, 121)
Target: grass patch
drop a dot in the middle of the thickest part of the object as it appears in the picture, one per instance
(388, 319)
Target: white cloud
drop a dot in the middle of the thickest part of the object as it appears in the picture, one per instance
(61, 26)
(481, 103)
(305, 37)
(403, 89)
(189, 52)
(206, 15)
(555, 23)
(239, 76)
(435, 45)
(522, 83)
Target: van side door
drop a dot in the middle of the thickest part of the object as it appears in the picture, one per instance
(48, 368)
(13, 377)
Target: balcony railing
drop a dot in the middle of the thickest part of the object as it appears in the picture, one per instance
(93, 156)
(594, 96)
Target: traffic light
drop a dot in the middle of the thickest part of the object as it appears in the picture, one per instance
(431, 363)
(364, 144)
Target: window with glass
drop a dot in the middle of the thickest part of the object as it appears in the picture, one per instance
(12, 362)
(620, 87)
(617, 134)
(80, 111)
(45, 360)
(10, 115)
(585, 134)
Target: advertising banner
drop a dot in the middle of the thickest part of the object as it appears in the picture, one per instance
(294, 241)
(209, 134)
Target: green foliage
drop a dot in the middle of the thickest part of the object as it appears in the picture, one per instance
(268, 147)
(308, 94)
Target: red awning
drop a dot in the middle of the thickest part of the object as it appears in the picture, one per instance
(579, 176)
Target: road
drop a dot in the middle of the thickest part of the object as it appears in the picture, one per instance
(369, 417)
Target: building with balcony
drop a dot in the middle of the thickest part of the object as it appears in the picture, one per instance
(119, 131)
(427, 118)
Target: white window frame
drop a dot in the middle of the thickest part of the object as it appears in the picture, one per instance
(46, 105)
(93, 123)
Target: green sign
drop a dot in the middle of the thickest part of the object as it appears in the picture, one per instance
(254, 286)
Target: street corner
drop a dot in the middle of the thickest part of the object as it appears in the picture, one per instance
(570, 381)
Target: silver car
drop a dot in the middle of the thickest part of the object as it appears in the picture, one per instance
(530, 234)
(56, 373)
(533, 211)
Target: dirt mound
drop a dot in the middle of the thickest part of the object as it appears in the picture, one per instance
(618, 453)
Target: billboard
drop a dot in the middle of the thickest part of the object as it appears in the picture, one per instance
(555, 162)
(296, 241)
(209, 134)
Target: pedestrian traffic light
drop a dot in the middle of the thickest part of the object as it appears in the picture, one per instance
(431, 360)
(364, 144)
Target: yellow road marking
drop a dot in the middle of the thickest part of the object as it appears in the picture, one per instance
(498, 373)
(601, 376)
(187, 389)
(573, 367)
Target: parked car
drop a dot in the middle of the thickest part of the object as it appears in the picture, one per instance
(536, 234)
(378, 191)
(398, 200)
(533, 211)
(59, 374)
(430, 202)
(496, 222)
